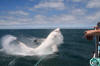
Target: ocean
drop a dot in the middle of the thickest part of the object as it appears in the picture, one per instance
(75, 50)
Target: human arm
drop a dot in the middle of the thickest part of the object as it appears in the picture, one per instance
(89, 34)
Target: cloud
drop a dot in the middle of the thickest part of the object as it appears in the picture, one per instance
(93, 4)
(78, 11)
(53, 4)
(31, 0)
(95, 16)
(14, 20)
(52, 12)
(63, 18)
(19, 12)
(8, 22)
(54, 19)
(6, 17)
(76, 0)
(39, 19)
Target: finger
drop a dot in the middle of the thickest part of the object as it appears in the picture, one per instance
(85, 32)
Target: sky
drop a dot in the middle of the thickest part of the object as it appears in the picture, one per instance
(49, 13)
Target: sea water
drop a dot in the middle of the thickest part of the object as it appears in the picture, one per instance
(75, 50)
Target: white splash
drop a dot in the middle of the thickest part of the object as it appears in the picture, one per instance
(50, 45)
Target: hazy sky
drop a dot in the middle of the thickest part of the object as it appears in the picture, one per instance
(49, 13)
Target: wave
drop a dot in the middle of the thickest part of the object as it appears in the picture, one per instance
(11, 45)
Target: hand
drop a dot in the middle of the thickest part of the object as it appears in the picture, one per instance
(89, 34)
(96, 27)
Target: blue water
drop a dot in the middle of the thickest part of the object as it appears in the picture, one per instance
(75, 51)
